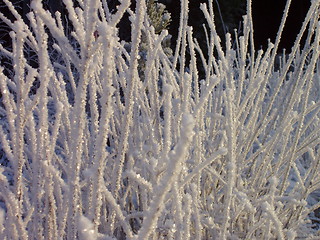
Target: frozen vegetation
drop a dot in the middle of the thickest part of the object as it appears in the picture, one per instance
(97, 145)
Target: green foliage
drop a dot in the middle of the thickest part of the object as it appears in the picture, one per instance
(159, 17)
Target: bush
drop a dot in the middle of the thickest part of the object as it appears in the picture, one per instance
(92, 150)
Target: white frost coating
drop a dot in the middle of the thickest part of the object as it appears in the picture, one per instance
(106, 30)
(86, 229)
(2, 176)
(128, 134)
(60, 106)
(197, 169)
(273, 216)
(2, 218)
(167, 89)
(36, 5)
(174, 168)
(140, 180)
(291, 235)
(187, 125)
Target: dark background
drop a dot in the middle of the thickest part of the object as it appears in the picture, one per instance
(266, 16)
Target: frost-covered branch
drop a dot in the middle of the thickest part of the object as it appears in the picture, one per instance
(103, 139)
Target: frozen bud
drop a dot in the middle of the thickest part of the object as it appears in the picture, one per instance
(60, 106)
(86, 229)
(2, 176)
(222, 151)
(105, 29)
(166, 17)
(274, 181)
(187, 125)
(36, 5)
(12, 34)
(167, 89)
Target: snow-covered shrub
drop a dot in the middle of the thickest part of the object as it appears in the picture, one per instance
(92, 150)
